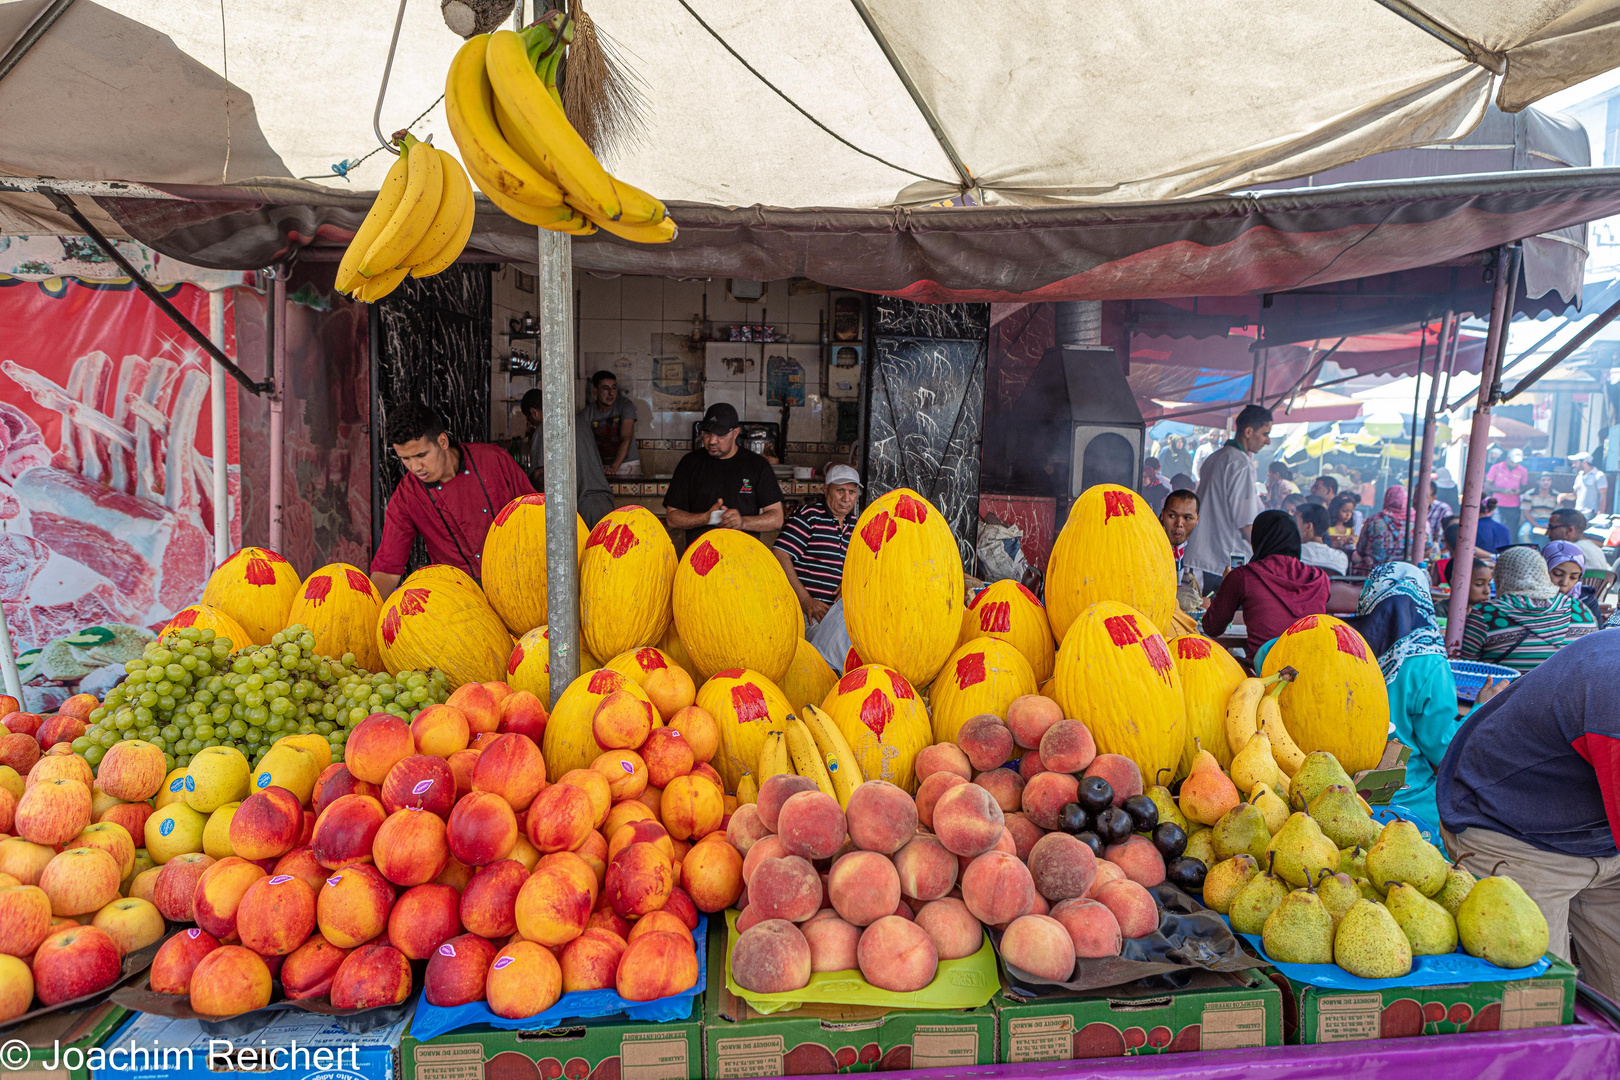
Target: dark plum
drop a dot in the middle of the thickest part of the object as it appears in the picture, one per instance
(1073, 818)
(1113, 825)
(1170, 839)
(1143, 810)
(1186, 873)
(1092, 841)
(1095, 794)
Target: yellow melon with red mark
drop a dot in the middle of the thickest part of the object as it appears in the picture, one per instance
(640, 663)
(809, 680)
(625, 577)
(515, 562)
(529, 667)
(1339, 701)
(439, 621)
(568, 743)
(1208, 677)
(1111, 548)
(209, 618)
(1115, 674)
(745, 705)
(1009, 612)
(339, 605)
(903, 586)
(884, 720)
(983, 675)
(255, 587)
(734, 607)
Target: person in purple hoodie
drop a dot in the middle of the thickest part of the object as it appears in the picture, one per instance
(1273, 589)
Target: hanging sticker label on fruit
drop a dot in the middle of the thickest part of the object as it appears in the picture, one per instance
(447, 949)
(333, 881)
(626, 766)
(503, 962)
(421, 787)
(280, 879)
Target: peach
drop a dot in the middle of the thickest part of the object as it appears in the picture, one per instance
(19, 750)
(456, 971)
(651, 798)
(275, 915)
(1139, 859)
(1030, 717)
(681, 905)
(487, 903)
(456, 874)
(832, 943)
(574, 869)
(75, 962)
(1045, 795)
(176, 959)
(420, 781)
(595, 785)
(1121, 773)
(748, 917)
(480, 742)
(176, 890)
(942, 757)
(811, 824)
(25, 919)
(478, 706)
(927, 869)
(699, 730)
(639, 880)
(132, 770)
(624, 771)
(773, 956)
(623, 814)
(1024, 833)
(985, 740)
(667, 756)
(551, 908)
(346, 830)
(559, 818)
(131, 817)
(655, 922)
(463, 764)
(370, 976)
(671, 690)
(425, 917)
(439, 730)
(1093, 930)
(1068, 747)
(525, 980)
(707, 771)
(880, 817)
(308, 970)
(967, 820)
(58, 729)
(353, 906)
(53, 811)
(219, 892)
(955, 932)
(524, 714)
(609, 920)
(511, 766)
(997, 888)
(930, 791)
(267, 824)
(62, 767)
(786, 888)
(411, 847)
(1063, 867)
(1133, 907)
(594, 847)
(896, 954)
(1030, 764)
(1106, 872)
(113, 839)
(482, 829)
(376, 745)
(693, 807)
(591, 961)
(622, 721)
(657, 965)
(1039, 945)
(863, 887)
(768, 848)
(1005, 786)
(775, 792)
(712, 875)
(745, 828)
(337, 781)
(301, 863)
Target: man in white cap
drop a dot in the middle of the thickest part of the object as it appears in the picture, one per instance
(813, 542)
(1591, 486)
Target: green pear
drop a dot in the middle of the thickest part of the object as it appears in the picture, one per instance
(1272, 807)
(1226, 879)
(1425, 923)
(1401, 854)
(1341, 817)
(1451, 895)
(1353, 861)
(1319, 770)
(1338, 893)
(1299, 930)
(1201, 846)
(1500, 924)
(1255, 902)
(1302, 852)
(1241, 829)
(1369, 943)
(1367, 890)
(1166, 802)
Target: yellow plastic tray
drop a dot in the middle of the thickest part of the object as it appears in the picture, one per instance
(958, 984)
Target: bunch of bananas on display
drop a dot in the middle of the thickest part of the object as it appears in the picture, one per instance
(507, 119)
(418, 225)
(812, 747)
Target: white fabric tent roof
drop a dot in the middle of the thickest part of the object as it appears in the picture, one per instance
(1035, 101)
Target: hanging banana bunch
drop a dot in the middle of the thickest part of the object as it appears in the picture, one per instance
(418, 225)
(507, 119)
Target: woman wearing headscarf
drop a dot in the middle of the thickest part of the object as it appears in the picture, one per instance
(1383, 538)
(1528, 620)
(1566, 562)
(1396, 616)
(1273, 589)
(1175, 457)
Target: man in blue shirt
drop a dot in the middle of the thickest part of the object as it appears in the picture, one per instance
(1492, 535)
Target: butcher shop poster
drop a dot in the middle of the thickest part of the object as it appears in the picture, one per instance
(105, 474)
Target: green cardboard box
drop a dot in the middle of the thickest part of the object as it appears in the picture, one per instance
(1312, 1014)
(611, 1048)
(57, 1043)
(1215, 1011)
(819, 1038)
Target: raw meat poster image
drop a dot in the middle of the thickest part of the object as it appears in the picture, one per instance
(106, 519)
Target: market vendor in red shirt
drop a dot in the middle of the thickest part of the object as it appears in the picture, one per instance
(449, 497)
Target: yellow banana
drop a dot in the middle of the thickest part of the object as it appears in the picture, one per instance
(806, 761)
(457, 192)
(497, 168)
(773, 758)
(661, 233)
(1240, 713)
(577, 225)
(637, 207)
(453, 247)
(373, 289)
(1284, 751)
(515, 136)
(531, 108)
(747, 790)
(835, 750)
(528, 213)
(424, 188)
(388, 196)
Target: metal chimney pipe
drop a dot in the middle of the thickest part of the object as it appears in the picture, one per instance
(1078, 322)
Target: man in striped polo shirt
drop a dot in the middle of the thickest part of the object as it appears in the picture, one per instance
(812, 543)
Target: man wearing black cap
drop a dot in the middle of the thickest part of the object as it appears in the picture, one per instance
(722, 485)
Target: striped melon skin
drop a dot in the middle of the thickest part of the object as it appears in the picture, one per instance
(529, 667)
(745, 705)
(625, 577)
(1208, 677)
(734, 607)
(982, 676)
(1111, 548)
(884, 721)
(256, 587)
(438, 618)
(1339, 701)
(515, 562)
(1006, 610)
(209, 618)
(808, 679)
(568, 743)
(339, 605)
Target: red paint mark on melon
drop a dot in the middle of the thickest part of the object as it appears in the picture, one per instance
(390, 624)
(270, 556)
(996, 618)
(910, 509)
(1122, 630)
(600, 533)
(1348, 641)
(511, 508)
(902, 689)
(876, 712)
(517, 658)
(621, 541)
(650, 659)
(852, 681)
(358, 581)
(414, 601)
(260, 572)
(1307, 623)
(184, 618)
(1192, 648)
(748, 702)
(705, 558)
(878, 531)
(1118, 504)
(317, 588)
(730, 673)
(970, 670)
(605, 682)
(1031, 597)
(1158, 656)
(852, 659)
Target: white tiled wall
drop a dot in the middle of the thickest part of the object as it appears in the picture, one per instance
(623, 322)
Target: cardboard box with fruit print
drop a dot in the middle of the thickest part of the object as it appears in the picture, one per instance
(607, 1049)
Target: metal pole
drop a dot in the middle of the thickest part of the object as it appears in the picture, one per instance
(216, 401)
(1420, 519)
(8, 661)
(278, 397)
(1462, 560)
(1411, 444)
(556, 298)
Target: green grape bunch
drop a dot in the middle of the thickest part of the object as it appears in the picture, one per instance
(192, 689)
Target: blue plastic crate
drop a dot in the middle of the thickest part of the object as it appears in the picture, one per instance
(1470, 676)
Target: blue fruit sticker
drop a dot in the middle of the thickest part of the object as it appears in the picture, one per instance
(178, 783)
(264, 780)
(191, 785)
(167, 827)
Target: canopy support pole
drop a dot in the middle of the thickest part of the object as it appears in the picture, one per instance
(1412, 443)
(556, 294)
(217, 413)
(278, 429)
(1563, 351)
(1420, 518)
(1462, 561)
(8, 661)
